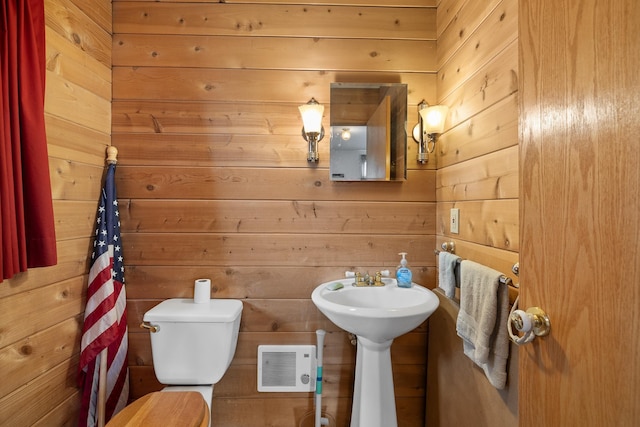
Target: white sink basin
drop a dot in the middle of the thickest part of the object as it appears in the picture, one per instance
(377, 313)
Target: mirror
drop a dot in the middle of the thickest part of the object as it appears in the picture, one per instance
(368, 139)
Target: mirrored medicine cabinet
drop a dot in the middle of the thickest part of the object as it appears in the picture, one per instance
(368, 137)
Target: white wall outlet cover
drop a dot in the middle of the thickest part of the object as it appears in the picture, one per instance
(454, 225)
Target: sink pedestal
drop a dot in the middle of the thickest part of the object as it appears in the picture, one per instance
(374, 403)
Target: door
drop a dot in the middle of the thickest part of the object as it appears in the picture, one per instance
(580, 211)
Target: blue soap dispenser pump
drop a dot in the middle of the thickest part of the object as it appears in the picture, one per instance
(403, 274)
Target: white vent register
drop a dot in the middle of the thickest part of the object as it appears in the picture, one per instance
(286, 368)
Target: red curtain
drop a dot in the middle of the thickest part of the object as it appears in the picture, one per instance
(26, 211)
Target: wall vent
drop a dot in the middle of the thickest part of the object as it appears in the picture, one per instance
(286, 368)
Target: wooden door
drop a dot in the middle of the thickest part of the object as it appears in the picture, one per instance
(580, 204)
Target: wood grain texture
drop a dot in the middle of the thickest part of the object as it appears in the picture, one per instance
(456, 21)
(235, 216)
(480, 91)
(37, 398)
(499, 29)
(299, 53)
(474, 398)
(214, 180)
(478, 173)
(66, 60)
(226, 150)
(579, 212)
(67, 18)
(60, 301)
(186, 409)
(311, 184)
(257, 20)
(492, 223)
(41, 309)
(243, 282)
(74, 142)
(74, 103)
(492, 176)
(27, 358)
(383, 3)
(490, 130)
(249, 85)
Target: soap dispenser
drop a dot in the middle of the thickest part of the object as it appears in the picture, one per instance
(403, 274)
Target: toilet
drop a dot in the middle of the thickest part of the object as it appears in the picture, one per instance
(193, 344)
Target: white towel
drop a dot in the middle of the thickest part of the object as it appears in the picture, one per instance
(482, 320)
(447, 278)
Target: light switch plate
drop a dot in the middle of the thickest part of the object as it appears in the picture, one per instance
(454, 225)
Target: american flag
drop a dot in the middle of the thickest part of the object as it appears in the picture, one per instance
(105, 317)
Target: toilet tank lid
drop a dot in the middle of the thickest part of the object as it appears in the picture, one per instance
(185, 310)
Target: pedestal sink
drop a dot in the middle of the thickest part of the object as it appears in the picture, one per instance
(376, 315)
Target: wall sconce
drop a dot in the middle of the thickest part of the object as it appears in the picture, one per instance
(430, 124)
(312, 129)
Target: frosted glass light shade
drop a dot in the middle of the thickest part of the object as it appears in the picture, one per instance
(311, 113)
(433, 118)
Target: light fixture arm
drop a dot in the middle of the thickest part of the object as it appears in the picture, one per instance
(431, 120)
(313, 138)
(419, 136)
(431, 142)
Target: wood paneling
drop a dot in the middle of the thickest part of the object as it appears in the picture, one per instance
(59, 301)
(29, 357)
(41, 310)
(475, 402)
(490, 130)
(274, 20)
(213, 180)
(304, 53)
(226, 150)
(231, 216)
(242, 281)
(266, 184)
(247, 85)
(480, 91)
(386, 3)
(38, 399)
(478, 173)
(69, 19)
(492, 176)
(480, 47)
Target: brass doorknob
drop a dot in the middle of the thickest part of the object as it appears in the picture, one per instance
(533, 323)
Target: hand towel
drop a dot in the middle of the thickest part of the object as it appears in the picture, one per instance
(482, 320)
(447, 277)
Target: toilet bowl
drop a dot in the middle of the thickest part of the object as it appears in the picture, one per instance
(193, 344)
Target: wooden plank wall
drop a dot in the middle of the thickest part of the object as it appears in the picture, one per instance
(478, 174)
(213, 179)
(41, 310)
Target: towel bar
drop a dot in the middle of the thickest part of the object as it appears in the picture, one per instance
(503, 279)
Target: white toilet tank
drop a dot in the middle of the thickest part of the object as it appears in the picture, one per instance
(194, 343)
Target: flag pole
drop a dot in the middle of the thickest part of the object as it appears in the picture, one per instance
(112, 154)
